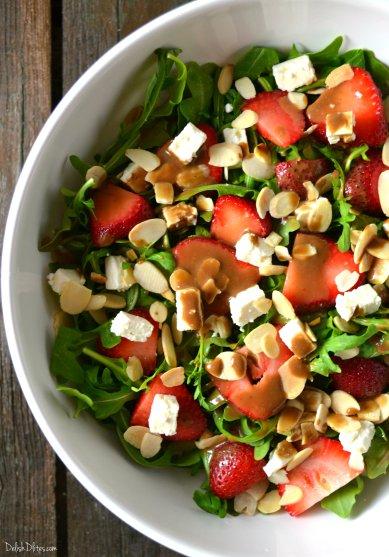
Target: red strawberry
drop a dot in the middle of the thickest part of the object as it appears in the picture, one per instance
(191, 421)
(190, 254)
(291, 174)
(145, 351)
(278, 119)
(322, 473)
(235, 215)
(115, 213)
(362, 183)
(361, 377)
(360, 95)
(265, 364)
(216, 172)
(233, 469)
(310, 283)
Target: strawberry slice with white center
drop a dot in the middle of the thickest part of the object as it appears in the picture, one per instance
(322, 473)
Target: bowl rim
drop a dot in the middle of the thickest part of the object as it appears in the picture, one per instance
(128, 516)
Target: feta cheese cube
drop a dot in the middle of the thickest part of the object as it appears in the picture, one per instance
(118, 278)
(279, 477)
(294, 73)
(233, 135)
(179, 216)
(131, 327)
(294, 335)
(340, 125)
(252, 249)
(187, 143)
(363, 298)
(275, 463)
(163, 415)
(189, 309)
(360, 440)
(243, 305)
(58, 279)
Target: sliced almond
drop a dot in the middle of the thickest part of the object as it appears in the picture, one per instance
(270, 346)
(283, 305)
(97, 277)
(311, 399)
(343, 423)
(226, 78)
(192, 176)
(173, 377)
(158, 312)
(244, 503)
(169, 351)
(379, 272)
(383, 403)
(145, 159)
(365, 263)
(114, 301)
(147, 232)
(303, 251)
(150, 277)
(288, 419)
(348, 354)
(253, 340)
(96, 173)
(256, 168)
(385, 227)
(308, 433)
(364, 239)
(134, 368)
(300, 100)
(354, 235)
(150, 445)
(225, 154)
(134, 435)
(292, 494)
(245, 120)
(263, 201)
(312, 192)
(180, 279)
(356, 461)
(97, 301)
(299, 458)
(308, 417)
(383, 188)
(345, 280)
(379, 248)
(317, 91)
(270, 503)
(245, 88)
(369, 410)
(164, 193)
(324, 183)
(74, 298)
(220, 325)
(263, 305)
(273, 239)
(295, 434)
(344, 326)
(338, 75)
(282, 253)
(310, 130)
(272, 270)
(283, 204)
(230, 366)
(294, 374)
(320, 422)
(210, 442)
(131, 255)
(209, 268)
(204, 203)
(315, 216)
(343, 403)
(98, 315)
(259, 489)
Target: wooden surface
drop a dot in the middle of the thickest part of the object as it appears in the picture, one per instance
(45, 45)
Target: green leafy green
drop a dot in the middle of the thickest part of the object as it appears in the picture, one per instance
(355, 153)
(209, 502)
(328, 54)
(78, 164)
(378, 70)
(132, 296)
(256, 61)
(200, 84)
(163, 259)
(176, 90)
(108, 339)
(354, 57)
(377, 458)
(342, 501)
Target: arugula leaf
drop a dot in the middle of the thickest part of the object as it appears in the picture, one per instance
(202, 231)
(209, 502)
(265, 83)
(132, 296)
(355, 153)
(286, 228)
(342, 501)
(200, 85)
(354, 57)
(294, 52)
(78, 164)
(377, 458)
(176, 90)
(260, 451)
(64, 357)
(108, 339)
(378, 70)
(221, 189)
(255, 433)
(69, 391)
(256, 61)
(327, 54)
(163, 259)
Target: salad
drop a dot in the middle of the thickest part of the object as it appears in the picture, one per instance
(222, 279)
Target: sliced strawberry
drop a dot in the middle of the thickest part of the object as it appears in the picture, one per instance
(310, 283)
(361, 377)
(115, 213)
(233, 469)
(216, 172)
(145, 351)
(191, 421)
(265, 364)
(189, 255)
(235, 215)
(359, 95)
(291, 174)
(322, 473)
(278, 119)
(362, 183)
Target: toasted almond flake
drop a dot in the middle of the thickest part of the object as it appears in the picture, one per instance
(114, 301)
(259, 489)
(383, 403)
(270, 346)
(308, 417)
(273, 239)
(180, 278)
(179, 216)
(225, 154)
(379, 248)
(272, 270)
(283, 204)
(192, 176)
(295, 434)
(299, 458)
(379, 272)
(99, 316)
(317, 91)
(303, 251)
(343, 403)
(230, 366)
(169, 351)
(385, 226)
(365, 263)
(263, 201)
(270, 503)
(310, 130)
(311, 399)
(346, 279)
(343, 423)
(369, 410)
(354, 235)
(253, 340)
(338, 75)
(320, 422)
(74, 298)
(245, 120)
(226, 78)
(282, 253)
(299, 100)
(131, 255)
(210, 442)
(164, 193)
(244, 503)
(177, 335)
(344, 326)
(324, 183)
(347, 354)
(150, 277)
(97, 301)
(173, 377)
(262, 152)
(97, 277)
(309, 332)
(145, 159)
(245, 88)
(312, 192)
(308, 433)
(204, 203)
(134, 368)
(256, 168)
(96, 173)
(283, 305)
(147, 232)
(134, 435)
(158, 312)
(150, 445)
(364, 239)
(288, 419)
(314, 216)
(356, 461)
(294, 374)
(220, 325)
(292, 494)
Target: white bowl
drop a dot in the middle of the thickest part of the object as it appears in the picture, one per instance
(159, 503)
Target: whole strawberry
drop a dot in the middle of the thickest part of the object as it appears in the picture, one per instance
(362, 183)
(233, 469)
(361, 377)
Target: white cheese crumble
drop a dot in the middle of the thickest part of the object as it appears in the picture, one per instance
(279, 477)
(242, 306)
(294, 73)
(163, 415)
(115, 274)
(131, 327)
(252, 249)
(228, 108)
(340, 125)
(275, 463)
(58, 279)
(358, 442)
(187, 143)
(233, 135)
(364, 298)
